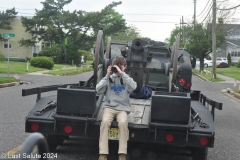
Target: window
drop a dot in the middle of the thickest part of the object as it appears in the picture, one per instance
(232, 53)
(6, 45)
(238, 54)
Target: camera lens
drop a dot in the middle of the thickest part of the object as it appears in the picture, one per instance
(114, 70)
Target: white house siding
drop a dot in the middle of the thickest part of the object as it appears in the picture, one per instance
(233, 43)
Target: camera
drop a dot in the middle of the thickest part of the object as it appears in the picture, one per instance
(114, 69)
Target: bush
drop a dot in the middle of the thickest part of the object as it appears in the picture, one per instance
(2, 57)
(42, 62)
(238, 64)
(229, 58)
(54, 52)
(88, 54)
(223, 65)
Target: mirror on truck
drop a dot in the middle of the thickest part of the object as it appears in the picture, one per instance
(193, 61)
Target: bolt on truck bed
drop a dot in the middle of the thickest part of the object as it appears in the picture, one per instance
(148, 122)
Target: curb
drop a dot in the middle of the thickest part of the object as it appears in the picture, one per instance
(13, 84)
(9, 84)
(199, 76)
(230, 92)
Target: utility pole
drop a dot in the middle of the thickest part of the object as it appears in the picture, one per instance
(183, 34)
(194, 17)
(214, 38)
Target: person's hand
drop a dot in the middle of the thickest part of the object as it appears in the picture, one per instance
(109, 70)
(118, 69)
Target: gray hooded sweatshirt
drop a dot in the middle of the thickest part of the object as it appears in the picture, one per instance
(117, 93)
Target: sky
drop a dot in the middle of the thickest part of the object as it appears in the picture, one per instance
(153, 18)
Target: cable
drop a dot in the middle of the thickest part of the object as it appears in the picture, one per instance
(149, 21)
(207, 14)
(229, 8)
(153, 14)
(206, 11)
(18, 8)
(204, 8)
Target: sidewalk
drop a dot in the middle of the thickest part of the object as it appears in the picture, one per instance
(227, 79)
(40, 73)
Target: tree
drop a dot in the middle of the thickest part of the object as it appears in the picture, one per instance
(176, 31)
(107, 19)
(229, 58)
(127, 35)
(53, 24)
(5, 17)
(199, 41)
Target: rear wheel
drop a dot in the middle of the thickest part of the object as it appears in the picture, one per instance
(199, 153)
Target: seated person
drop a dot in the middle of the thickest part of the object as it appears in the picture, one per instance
(117, 87)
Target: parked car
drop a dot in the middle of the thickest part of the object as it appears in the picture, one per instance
(207, 63)
(220, 60)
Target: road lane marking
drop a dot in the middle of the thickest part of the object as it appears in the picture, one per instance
(13, 151)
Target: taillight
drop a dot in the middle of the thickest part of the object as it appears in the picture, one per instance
(204, 141)
(169, 137)
(181, 82)
(35, 126)
(68, 129)
(188, 85)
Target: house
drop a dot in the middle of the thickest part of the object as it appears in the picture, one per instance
(17, 52)
(232, 42)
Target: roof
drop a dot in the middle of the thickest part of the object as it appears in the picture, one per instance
(225, 27)
(234, 42)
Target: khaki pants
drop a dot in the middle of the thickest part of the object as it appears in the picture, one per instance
(122, 119)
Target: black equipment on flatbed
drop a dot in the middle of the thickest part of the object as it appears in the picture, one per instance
(173, 116)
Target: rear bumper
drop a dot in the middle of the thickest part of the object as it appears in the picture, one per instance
(138, 133)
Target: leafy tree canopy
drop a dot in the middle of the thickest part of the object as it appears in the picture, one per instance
(54, 24)
(5, 17)
(127, 35)
(198, 40)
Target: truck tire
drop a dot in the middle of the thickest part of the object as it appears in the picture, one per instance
(199, 153)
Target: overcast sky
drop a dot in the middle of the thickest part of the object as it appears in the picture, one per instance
(154, 18)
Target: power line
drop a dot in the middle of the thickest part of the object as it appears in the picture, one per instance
(209, 8)
(207, 14)
(204, 8)
(137, 14)
(229, 8)
(149, 21)
(17, 8)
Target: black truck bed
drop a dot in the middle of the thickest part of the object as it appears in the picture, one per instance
(140, 114)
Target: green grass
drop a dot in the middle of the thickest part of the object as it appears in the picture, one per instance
(70, 71)
(7, 80)
(232, 71)
(236, 90)
(21, 67)
(208, 76)
(88, 63)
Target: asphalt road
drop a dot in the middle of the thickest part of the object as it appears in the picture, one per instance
(14, 108)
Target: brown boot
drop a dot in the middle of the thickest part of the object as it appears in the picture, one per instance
(122, 157)
(102, 157)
